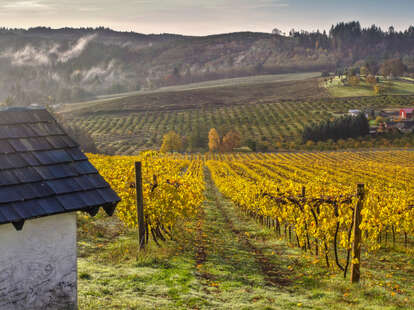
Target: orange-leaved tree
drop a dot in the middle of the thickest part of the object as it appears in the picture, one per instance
(231, 140)
(213, 140)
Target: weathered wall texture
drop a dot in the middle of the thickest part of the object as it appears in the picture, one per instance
(38, 267)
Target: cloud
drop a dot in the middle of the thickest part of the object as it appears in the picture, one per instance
(218, 5)
(46, 55)
(268, 4)
(97, 72)
(147, 16)
(89, 9)
(105, 74)
(77, 49)
(30, 56)
(245, 4)
(25, 5)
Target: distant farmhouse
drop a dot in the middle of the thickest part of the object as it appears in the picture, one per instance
(407, 113)
(44, 180)
(395, 120)
(369, 113)
(354, 112)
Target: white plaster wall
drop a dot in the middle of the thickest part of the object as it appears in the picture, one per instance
(38, 268)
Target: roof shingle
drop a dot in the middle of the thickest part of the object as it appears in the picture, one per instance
(43, 172)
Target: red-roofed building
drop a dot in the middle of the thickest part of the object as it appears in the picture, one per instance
(407, 113)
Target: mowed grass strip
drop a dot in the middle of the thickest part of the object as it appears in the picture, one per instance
(391, 87)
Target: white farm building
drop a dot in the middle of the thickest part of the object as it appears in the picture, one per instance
(354, 112)
(44, 180)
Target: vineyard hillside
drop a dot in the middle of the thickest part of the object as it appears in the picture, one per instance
(272, 114)
(256, 231)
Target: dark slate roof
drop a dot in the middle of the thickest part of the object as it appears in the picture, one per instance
(43, 172)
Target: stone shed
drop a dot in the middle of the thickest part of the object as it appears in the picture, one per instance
(44, 180)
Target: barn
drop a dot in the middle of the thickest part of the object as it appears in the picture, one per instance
(354, 112)
(407, 113)
(44, 180)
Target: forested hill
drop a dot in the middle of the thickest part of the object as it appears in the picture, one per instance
(43, 65)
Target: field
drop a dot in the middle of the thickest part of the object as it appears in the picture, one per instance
(251, 80)
(392, 87)
(214, 92)
(228, 255)
(260, 112)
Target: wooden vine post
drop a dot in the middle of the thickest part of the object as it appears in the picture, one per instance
(140, 205)
(356, 245)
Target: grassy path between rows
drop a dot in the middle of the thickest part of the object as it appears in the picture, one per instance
(222, 260)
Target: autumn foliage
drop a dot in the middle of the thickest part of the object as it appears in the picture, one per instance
(171, 142)
(213, 140)
(175, 193)
(273, 186)
(230, 141)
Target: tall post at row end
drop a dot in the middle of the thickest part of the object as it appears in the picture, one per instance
(140, 205)
(356, 245)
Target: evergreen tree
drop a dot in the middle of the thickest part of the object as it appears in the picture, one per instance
(342, 128)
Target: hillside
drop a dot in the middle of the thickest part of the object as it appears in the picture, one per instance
(242, 81)
(272, 114)
(129, 124)
(215, 94)
(49, 66)
(52, 66)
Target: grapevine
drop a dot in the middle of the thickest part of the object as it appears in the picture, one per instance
(173, 189)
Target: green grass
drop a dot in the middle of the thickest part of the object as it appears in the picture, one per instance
(221, 261)
(402, 88)
(394, 87)
(351, 91)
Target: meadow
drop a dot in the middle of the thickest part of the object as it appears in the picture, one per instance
(336, 88)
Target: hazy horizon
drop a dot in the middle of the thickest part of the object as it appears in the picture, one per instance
(192, 18)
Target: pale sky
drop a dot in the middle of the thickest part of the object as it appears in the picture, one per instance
(195, 17)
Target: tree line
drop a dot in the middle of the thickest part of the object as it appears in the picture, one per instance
(173, 142)
(341, 128)
(351, 35)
